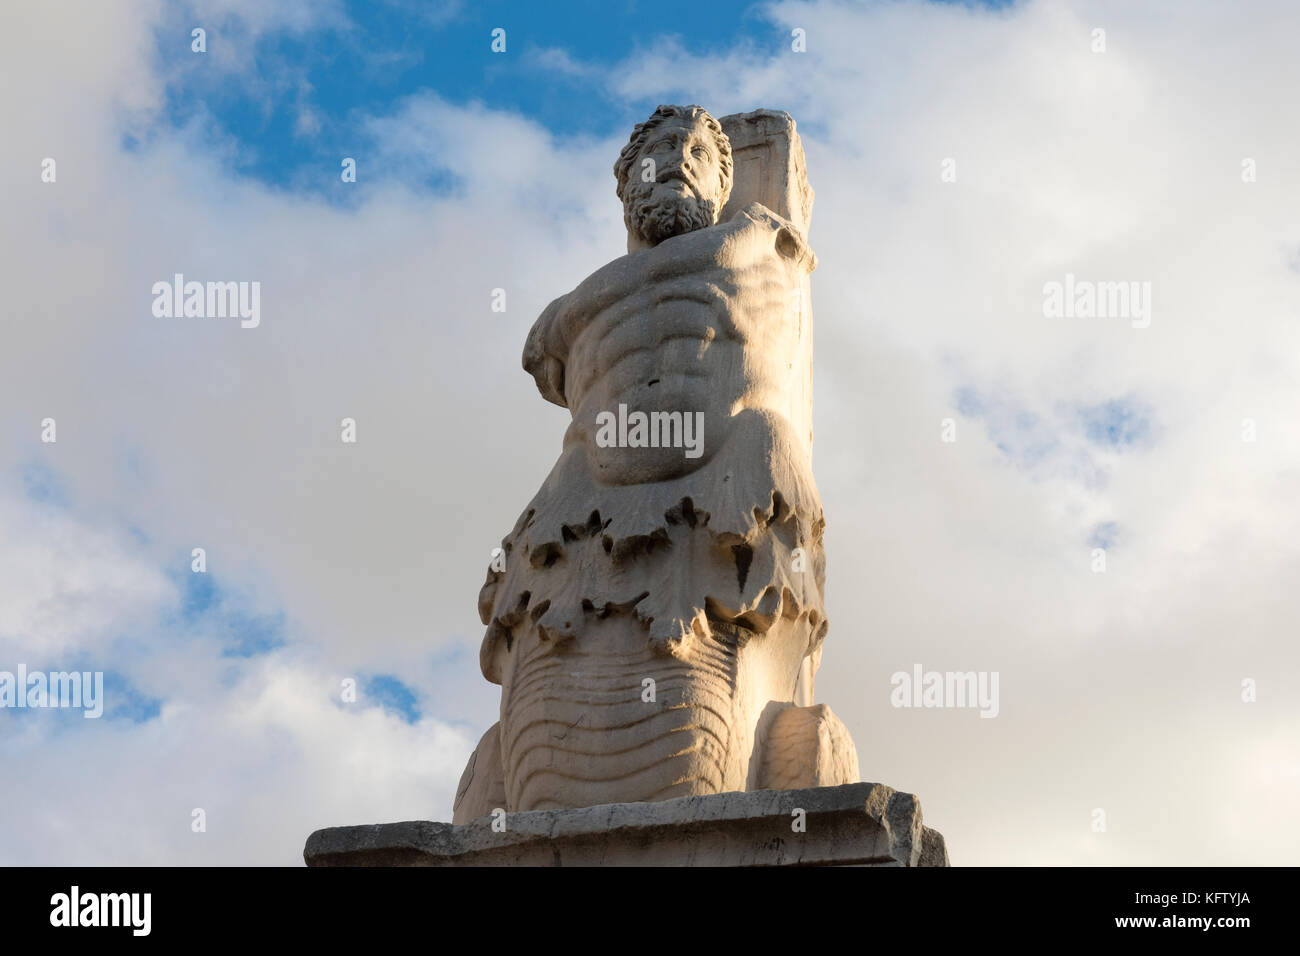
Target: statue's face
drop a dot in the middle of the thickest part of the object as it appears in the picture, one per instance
(686, 191)
(685, 159)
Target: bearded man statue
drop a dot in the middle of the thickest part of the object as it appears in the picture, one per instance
(658, 614)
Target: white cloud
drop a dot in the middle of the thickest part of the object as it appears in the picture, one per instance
(61, 583)
(1119, 690)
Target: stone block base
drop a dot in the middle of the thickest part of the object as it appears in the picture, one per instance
(858, 824)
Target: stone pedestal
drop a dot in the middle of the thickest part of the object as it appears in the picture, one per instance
(858, 824)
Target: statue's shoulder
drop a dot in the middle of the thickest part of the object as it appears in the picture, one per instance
(546, 348)
(788, 239)
(540, 362)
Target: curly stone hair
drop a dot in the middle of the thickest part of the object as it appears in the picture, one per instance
(623, 167)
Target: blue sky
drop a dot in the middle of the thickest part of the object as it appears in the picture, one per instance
(328, 562)
(1076, 437)
(385, 51)
(385, 54)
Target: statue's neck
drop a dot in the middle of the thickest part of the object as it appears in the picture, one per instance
(635, 243)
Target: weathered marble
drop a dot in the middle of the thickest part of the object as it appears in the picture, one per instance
(659, 616)
(861, 824)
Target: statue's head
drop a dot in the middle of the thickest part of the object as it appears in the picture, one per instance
(689, 174)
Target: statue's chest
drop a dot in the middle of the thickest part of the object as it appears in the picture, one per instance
(701, 298)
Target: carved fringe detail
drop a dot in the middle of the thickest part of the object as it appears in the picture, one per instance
(668, 558)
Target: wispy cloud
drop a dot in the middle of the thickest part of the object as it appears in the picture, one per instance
(330, 562)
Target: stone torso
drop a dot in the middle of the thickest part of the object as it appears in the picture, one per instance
(709, 321)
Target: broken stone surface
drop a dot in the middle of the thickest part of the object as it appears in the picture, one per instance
(768, 166)
(656, 617)
(859, 824)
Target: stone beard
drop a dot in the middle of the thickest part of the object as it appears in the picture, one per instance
(660, 615)
(655, 220)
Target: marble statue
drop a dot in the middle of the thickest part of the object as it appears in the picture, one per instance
(657, 616)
